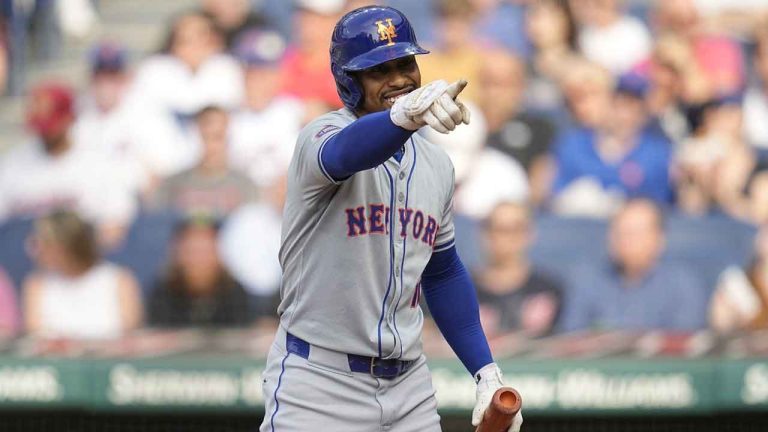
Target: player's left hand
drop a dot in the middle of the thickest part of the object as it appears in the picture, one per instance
(488, 381)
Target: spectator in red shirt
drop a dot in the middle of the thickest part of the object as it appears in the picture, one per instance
(306, 67)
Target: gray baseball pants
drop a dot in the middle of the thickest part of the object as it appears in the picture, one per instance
(320, 393)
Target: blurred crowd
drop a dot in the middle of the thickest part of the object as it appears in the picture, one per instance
(624, 113)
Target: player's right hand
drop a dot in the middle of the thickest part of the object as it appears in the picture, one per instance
(447, 112)
(434, 104)
(489, 380)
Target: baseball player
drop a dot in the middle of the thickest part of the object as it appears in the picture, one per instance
(367, 228)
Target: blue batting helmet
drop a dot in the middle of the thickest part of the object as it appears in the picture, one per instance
(364, 38)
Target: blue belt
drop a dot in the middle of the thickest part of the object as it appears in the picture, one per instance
(375, 366)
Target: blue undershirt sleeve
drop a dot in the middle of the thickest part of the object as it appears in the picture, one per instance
(451, 297)
(364, 144)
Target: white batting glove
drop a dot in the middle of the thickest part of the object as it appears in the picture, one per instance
(434, 104)
(406, 111)
(446, 112)
(488, 381)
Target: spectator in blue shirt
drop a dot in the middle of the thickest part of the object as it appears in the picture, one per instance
(621, 157)
(635, 290)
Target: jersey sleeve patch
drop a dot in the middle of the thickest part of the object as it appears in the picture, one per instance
(325, 130)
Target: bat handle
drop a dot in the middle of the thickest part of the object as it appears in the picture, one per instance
(506, 403)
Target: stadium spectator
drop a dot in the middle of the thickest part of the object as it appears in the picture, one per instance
(9, 307)
(587, 88)
(52, 172)
(715, 165)
(675, 80)
(264, 130)
(249, 246)
(456, 53)
(484, 176)
(719, 57)
(4, 56)
(756, 99)
(306, 67)
(609, 37)
(635, 290)
(598, 168)
(233, 18)
(197, 290)
(514, 294)
(552, 32)
(757, 195)
(104, 124)
(740, 301)
(499, 22)
(525, 136)
(74, 294)
(169, 88)
(211, 187)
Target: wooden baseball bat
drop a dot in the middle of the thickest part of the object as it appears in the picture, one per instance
(504, 406)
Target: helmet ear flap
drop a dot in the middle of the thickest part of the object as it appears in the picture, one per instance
(346, 86)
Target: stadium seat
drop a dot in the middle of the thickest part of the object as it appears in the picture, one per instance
(146, 247)
(14, 257)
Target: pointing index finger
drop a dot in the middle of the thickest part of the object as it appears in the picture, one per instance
(456, 87)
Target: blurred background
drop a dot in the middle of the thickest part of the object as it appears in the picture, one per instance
(611, 204)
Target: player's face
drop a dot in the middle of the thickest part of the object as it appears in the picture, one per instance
(383, 84)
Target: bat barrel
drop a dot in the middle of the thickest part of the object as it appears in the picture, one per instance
(507, 400)
(504, 406)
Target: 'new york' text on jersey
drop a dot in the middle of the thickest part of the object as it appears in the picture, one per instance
(353, 251)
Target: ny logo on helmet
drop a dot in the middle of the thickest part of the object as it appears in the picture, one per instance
(386, 32)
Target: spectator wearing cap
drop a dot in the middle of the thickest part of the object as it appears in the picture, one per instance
(716, 169)
(191, 71)
(197, 290)
(53, 172)
(263, 134)
(635, 289)
(306, 68)
(103, 123)
(211, 188)
(264, 129)
(623, 158)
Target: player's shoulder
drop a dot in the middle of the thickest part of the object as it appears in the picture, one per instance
(326, 124)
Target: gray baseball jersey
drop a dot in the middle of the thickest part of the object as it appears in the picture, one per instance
(353, 251)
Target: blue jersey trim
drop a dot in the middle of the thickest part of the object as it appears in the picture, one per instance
(279, 381)
(446, 246)
(391, 251)
(405, 244)
(320, 160)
